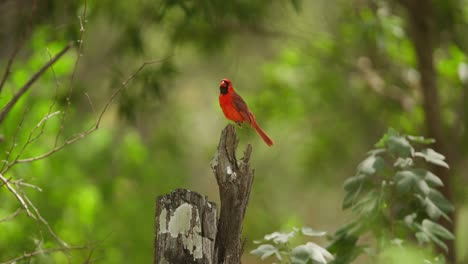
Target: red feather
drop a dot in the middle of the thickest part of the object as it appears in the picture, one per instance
(235, 109)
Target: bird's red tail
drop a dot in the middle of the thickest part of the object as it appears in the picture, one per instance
(262, 134)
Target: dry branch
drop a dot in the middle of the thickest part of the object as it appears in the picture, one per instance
(234, 180)
(6, 109)
(18, 196)
(11, 216)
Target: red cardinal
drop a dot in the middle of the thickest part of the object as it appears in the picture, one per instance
(235, 109)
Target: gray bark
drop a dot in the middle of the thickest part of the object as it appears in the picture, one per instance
(235, 182)
(185, 228)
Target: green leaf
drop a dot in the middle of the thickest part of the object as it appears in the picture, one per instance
(383, 141)
(440, 200)
(406, 180)
(399, 146)
(433, 179)
(422, 238)
(279, 238)
(436, 205)
(310, 251)
(353, 187)
(437, 229)
(353, 183)
(369, 204)
(403, 163)
(433, 210)
(433, 157)
(371, 165)
(432, 231)
(344, 247)
(266, 250)
(409, 219)
(421, 140)
(307, 231)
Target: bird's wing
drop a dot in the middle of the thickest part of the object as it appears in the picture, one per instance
(241, 107)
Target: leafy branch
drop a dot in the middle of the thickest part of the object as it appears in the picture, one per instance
(395, 199)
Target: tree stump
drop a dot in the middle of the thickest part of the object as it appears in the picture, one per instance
(185, 228)
(234, 180)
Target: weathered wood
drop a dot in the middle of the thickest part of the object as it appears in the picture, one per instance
(185, 228)
(234, 181)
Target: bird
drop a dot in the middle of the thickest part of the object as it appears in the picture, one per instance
(235, 109)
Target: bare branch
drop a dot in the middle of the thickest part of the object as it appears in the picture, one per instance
(6, 109)
(72, 77)
(9, 64)
(20, 199)
(13, 143)
(31, 139)
(11, 216)
(21, 182)
(96, 124)
(7, 72)
(141, 68)
(41, 219)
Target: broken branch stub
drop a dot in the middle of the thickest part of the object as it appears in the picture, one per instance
(234, 180)
(185, 228)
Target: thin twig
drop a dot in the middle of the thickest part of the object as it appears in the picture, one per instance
(17, 195)
(6, 109)
(9, 64)
(62, 243)
(141, 68)
(30, 140)
(21, 182)
(11, 216)
(18, 46)
(75, 67)
(43, 251)
(98, 120)
(13, 143)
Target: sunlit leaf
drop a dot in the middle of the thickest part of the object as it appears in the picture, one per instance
(310, 251)
(437, 229)
(279, 238)
(422, 237)
(399, 146)
(403, 163)
(432, 156)
(421, 140)
(266, 250)
(440, 200)
(311, 232)
(406, 180)
(371, 165)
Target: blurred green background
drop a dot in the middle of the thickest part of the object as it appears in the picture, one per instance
(325, 79)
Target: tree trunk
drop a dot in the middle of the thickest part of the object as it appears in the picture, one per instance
(422, 32)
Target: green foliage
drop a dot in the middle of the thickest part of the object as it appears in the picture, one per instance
(297, 65)
(280, 246)
(394, 198)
